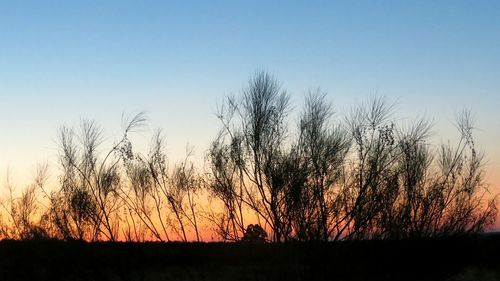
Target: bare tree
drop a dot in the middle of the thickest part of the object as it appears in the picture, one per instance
(321, 148)
(399, 190)
(161, 200)
(225, 183)
(142, 197)
(86, 205)
(253, 136)
(187, 186)
(24, 219)
(461, 180)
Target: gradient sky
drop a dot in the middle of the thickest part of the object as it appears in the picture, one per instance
(64, 60)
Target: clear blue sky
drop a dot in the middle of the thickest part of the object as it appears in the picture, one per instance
(62, 60)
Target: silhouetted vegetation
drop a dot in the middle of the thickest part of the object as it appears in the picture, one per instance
(360, 177)
(354, 177)
(254, 234)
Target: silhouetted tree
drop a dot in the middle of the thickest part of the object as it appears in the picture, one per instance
(225, 183)
(155, 193)
(321, 149)
(255, 143)
(398, 191)
(24, 218)
(86, 205)
(142, 196)
(187, 184)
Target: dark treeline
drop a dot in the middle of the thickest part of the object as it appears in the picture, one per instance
(332, 177)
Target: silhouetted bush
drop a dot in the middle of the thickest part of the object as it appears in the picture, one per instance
(254, 234)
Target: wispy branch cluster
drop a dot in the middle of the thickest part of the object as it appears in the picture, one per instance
(360, 176)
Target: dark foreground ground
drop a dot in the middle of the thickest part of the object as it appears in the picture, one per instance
(459, 258)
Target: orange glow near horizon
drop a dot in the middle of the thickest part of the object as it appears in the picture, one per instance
(206, 229)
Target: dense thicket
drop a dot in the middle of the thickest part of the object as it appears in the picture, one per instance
(359, 176)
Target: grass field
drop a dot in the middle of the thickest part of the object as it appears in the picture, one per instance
(457, 258)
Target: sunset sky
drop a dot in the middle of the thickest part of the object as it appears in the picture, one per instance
(65, 60)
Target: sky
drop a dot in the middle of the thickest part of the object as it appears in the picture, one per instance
(61, 61)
